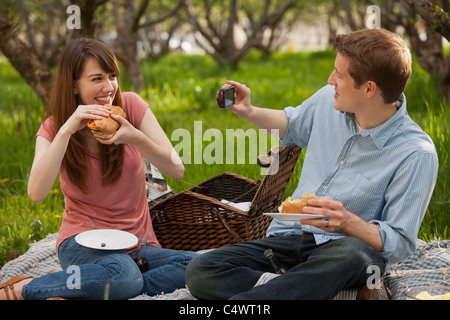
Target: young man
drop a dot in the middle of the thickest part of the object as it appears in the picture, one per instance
(372, 168)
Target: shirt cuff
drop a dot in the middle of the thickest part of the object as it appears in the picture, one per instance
(287, 139)
(395, 247)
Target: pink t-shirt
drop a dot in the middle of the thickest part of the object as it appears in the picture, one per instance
(121, 205)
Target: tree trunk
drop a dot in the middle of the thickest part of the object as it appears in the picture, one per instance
(125, 46)
(35, 66)
(126, 51)
(430, 52)
(37, 75)
(430, 56)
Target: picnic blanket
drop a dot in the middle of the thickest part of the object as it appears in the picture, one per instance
(429, 265)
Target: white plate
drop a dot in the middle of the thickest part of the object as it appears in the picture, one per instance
(106, 239)
(294, 216)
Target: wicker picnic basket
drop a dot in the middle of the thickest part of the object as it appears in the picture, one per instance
(197, 219)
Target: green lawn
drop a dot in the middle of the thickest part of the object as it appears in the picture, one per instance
(181, 92)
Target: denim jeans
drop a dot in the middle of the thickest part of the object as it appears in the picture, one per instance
(314, 271)
(88, 272)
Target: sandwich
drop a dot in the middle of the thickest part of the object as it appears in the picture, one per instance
(106, 127)
(296, 205)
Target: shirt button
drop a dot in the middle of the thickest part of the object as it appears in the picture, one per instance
(342, 162)
(325, 187)
(354, 137)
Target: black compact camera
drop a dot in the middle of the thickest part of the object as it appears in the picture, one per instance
(226, 96)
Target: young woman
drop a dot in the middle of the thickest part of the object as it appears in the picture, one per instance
(103, 182)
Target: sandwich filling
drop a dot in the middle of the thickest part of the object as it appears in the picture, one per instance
(106, 127)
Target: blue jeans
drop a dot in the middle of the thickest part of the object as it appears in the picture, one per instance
(88, 272)
(314, 271)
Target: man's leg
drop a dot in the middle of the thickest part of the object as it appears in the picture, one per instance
(224, 272)
(332, 267)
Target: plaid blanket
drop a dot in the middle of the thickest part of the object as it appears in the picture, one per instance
(40, 259)
(429, 265)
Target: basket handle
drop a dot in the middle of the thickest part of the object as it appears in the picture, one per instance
(227, 226)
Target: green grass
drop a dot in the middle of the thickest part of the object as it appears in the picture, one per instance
(181, 90)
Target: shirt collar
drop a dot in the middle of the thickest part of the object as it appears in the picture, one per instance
(381, 134)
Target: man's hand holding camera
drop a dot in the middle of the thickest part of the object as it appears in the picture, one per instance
(273, 120)
(242, 105)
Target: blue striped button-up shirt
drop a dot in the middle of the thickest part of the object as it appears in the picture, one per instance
(385, 175)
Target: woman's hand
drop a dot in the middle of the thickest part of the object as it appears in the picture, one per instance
(126, 134)
(83, 113)
(151, 141)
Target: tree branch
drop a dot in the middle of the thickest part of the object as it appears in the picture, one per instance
(196, 25)
(438, 19)
(163, 17)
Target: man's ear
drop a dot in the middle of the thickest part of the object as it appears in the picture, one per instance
(371, 88)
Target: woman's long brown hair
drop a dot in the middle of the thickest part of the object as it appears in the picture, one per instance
(63, 103)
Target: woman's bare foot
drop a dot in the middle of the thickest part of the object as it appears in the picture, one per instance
(12, 289)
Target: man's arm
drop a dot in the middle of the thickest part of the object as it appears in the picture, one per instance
(407, 199)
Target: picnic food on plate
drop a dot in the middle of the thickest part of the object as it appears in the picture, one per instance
(291, 205)
(106, 127)
(424, 295)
